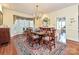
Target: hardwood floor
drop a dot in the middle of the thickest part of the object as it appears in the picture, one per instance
(71, 49)
(8, 50)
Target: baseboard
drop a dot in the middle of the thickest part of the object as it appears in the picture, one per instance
(72, 40)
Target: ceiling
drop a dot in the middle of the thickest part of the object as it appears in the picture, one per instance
(29, 8)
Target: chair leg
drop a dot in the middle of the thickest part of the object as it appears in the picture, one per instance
(32, 43)
(50, 46)
(41, 42)
(54, 44)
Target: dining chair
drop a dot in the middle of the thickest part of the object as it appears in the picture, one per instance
(35, 39)
(28, 36)
(49, 39)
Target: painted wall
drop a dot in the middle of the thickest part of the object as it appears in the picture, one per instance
(68, 12)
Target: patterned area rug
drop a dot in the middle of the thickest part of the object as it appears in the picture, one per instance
(23, 48)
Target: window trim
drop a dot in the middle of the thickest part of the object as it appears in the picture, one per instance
(21, 17)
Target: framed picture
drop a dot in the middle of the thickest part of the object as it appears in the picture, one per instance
(1, 18)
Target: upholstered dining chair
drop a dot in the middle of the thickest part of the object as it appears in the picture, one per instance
(31, 38)
(49, 39)
(28, 36)
(35, 39)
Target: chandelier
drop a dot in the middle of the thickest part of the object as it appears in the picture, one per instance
(38, 14)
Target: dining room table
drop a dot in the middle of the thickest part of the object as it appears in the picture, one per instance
(45, 33)
(41, 34)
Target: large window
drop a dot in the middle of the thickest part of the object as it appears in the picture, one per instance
(24, 23)
(20, 23)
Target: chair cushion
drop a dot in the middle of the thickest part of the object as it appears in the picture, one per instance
(47, 38)
(35, 36)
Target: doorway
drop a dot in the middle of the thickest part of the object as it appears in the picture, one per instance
(61, 29)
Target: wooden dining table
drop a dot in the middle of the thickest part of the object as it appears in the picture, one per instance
(44, 38)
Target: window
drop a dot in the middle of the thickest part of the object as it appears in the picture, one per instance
(20, 23)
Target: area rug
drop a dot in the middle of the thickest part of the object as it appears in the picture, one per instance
(23, 48)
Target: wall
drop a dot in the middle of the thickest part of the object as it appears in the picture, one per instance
(68, 12)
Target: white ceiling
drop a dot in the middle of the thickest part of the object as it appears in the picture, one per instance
(29, 8)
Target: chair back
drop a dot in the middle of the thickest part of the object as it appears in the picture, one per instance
(51, 34)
